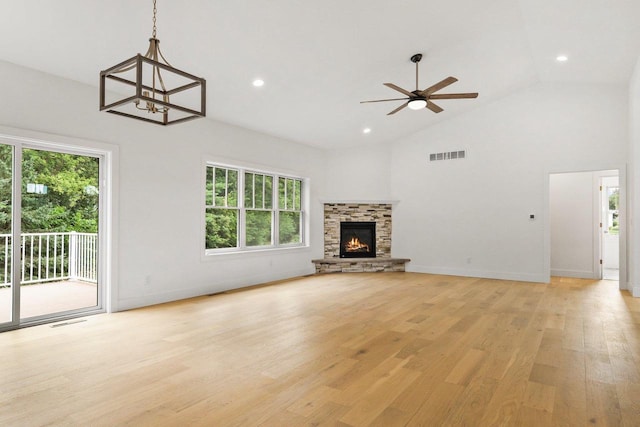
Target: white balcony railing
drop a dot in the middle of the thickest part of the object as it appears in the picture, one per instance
(48, 257)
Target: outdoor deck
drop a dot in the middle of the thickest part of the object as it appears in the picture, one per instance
(47, 298)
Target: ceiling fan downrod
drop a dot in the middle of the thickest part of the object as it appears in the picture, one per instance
(415, 59)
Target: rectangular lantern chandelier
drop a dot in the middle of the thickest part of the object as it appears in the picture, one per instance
(146, 87)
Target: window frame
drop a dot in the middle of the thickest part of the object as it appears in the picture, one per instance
(275, 210)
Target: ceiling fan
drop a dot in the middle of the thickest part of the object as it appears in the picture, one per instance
(418, 99)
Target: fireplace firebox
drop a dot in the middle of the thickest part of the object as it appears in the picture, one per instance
(357, 240)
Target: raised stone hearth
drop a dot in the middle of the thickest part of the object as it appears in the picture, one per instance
(380, 213)
(359, 265)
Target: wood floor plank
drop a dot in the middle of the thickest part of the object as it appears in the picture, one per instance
(391, 417)
(380, 349)
(603, 405)
(629, 403)
(472, 403)
(464, 370)
(438, 406)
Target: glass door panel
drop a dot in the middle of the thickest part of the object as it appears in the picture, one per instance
(59, 241)
(6, 212)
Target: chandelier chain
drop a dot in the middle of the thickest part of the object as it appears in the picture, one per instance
(154, 19)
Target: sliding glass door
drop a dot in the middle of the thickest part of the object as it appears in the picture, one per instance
(49, 234)
(7, 296)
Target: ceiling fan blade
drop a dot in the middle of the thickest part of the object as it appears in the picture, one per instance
(433, 107)
(384, 100)
(399, 89)
(440, 85)
(453, 95)
(398, 109)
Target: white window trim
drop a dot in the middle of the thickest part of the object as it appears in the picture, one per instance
(242, 248)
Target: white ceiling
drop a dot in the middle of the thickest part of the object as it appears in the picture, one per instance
(319, 59)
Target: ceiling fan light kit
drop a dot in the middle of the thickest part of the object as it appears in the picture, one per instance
(419, 99)
(417, 104)
(155, 91)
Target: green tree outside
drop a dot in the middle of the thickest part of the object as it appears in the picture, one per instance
(71, 200)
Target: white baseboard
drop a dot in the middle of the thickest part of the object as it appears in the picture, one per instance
(217, 287)
(578, 274)
(520, 277)
(635, 291)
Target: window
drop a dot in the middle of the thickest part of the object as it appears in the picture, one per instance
(258, 204)
(267, 214)
(290, 210)
(222, 210)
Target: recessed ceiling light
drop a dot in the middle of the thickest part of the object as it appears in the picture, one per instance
(258, 82)
(366, 130)
(561, 58)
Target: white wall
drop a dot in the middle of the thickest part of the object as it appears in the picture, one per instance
(471, 217)
(160, 181)
(571, 220)
(634, 182)
(360, 173)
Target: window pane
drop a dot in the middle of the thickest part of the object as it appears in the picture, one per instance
(221, 186)
(258, 228)
(259, 189)
(268, 192)
(298, 200)
(232, 191)
(290, 194)
(222, 228)
(281, 193)
(290, 228)
(248, 190)
(209, 186)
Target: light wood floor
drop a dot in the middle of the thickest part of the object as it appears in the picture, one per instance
(384, 349)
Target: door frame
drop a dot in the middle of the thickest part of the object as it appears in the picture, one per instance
(622, 218)
(108, 155)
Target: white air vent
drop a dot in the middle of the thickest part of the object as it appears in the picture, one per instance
(448, 155)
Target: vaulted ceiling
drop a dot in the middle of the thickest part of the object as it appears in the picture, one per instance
(319, 59)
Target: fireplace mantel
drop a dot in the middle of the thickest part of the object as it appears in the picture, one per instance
(361, 202)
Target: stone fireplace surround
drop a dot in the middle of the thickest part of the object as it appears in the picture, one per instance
(380, 213)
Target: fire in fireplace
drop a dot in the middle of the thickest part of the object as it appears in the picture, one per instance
(357, 240)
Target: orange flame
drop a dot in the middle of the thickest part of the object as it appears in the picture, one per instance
(355, 245)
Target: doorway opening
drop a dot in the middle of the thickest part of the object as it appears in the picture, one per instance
(586, 222)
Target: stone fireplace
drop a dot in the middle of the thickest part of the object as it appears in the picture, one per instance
(348, 222)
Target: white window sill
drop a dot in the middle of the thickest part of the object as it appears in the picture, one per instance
(216, 255)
